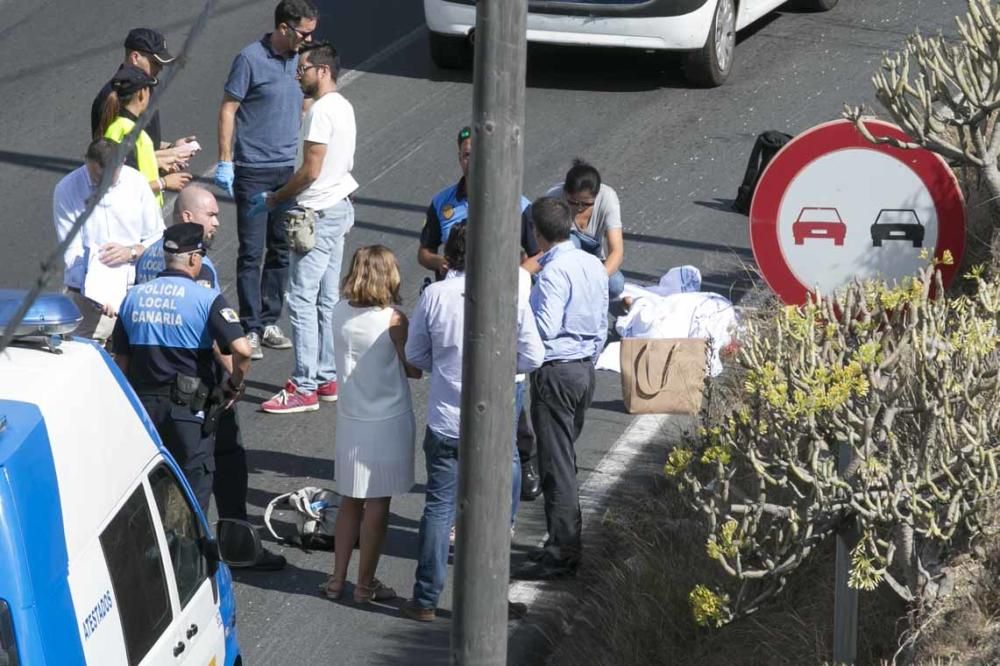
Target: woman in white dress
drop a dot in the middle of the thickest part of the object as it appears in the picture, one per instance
(375, 428)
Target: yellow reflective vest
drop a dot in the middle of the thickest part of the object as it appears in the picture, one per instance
(145, 152)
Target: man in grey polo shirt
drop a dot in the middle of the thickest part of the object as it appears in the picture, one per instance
(262, 106)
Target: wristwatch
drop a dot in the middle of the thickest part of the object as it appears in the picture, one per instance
(132, 254)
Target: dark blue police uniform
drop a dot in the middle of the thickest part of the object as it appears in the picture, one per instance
(450, 207)
(166, 327)
(231, 479)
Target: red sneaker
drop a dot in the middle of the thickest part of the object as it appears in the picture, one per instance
(327, 391)
(291, 402)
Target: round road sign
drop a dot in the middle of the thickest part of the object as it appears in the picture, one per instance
(831, 207)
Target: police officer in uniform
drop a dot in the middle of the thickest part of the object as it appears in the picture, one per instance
(197, 205)
(163, 342)
(449, 207)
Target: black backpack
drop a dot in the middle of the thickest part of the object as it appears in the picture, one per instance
(764, 148)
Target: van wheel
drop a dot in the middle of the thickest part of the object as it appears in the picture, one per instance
(450, 51)
(815, 5)
(710, 65)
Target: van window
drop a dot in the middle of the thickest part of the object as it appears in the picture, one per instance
(181, 528)
(132, 553)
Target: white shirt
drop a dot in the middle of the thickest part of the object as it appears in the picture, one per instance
(330, 121)
(127, 214)
(435, 340)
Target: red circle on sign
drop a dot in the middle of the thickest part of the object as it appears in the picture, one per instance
(806, 148)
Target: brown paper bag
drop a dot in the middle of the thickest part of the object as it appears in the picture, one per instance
(663, 376)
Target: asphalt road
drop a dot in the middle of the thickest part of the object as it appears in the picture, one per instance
(675, 155)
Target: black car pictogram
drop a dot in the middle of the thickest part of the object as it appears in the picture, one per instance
(897, 224)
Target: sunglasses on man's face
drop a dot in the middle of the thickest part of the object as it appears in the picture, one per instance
(303, 35)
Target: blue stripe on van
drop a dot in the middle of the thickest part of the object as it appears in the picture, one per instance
(35, 520)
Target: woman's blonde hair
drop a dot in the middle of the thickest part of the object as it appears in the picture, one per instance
(373, 280)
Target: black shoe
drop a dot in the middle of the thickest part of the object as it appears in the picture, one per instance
(545, 569)
(531, 485)
(536, 555)
(268, 561)
(516, 610)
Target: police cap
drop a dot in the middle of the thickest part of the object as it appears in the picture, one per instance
(183, 238)
(130, 79)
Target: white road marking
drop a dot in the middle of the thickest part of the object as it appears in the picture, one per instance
(595, 490)
(368, 64)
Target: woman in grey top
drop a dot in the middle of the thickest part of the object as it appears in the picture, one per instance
(598, 227)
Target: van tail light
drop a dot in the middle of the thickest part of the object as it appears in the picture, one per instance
(8, 647)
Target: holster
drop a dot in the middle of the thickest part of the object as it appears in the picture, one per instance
(213, 410)
(189, 391)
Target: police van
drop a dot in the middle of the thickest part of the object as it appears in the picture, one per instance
(105, 557)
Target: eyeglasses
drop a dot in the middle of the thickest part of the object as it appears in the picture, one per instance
(579, 205)
(304, 36)
(300, 70)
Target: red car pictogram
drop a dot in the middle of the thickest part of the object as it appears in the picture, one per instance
(819, 223)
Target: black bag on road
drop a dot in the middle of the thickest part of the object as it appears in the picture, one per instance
(764, 148)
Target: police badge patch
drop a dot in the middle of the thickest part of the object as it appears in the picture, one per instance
(230, 315)
(448, 211)
(204, 283)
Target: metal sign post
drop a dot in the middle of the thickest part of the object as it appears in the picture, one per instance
(845, 599)
(482, 555)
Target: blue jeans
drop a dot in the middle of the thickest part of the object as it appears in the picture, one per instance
(313, 291)
(616, 282)
(260, 294)
(441, 457)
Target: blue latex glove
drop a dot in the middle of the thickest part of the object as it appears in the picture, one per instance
(258, 204)
(224, 176)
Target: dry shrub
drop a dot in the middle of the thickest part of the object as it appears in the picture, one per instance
(637, 611)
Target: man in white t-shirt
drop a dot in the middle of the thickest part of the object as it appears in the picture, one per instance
(321, 184)
(124, 223)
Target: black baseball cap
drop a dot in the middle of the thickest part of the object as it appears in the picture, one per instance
(130, 79)
(182, 238)
(149, 41)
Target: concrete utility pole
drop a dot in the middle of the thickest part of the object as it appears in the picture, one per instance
(482, 557)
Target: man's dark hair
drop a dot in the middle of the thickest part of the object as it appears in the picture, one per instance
(322, 53)
(291, 12)
(582, 177)
(454, 249)
(552, 219)
(100, 151)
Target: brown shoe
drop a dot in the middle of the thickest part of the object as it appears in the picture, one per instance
(414, 612)
(377, 591)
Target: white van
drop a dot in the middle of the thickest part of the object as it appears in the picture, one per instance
(706, 29)
(105, 557)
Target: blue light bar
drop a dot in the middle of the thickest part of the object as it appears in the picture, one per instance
(50, 314)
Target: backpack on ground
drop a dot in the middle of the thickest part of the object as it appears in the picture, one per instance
(314, 511)
(764, 149)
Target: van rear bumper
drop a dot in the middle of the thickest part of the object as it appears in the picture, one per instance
(667, 25)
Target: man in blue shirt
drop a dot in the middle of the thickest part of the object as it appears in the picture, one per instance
(262, 107)
(570, 303)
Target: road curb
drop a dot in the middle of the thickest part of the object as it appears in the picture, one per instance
(553, 605)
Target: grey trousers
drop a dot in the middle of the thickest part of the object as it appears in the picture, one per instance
(560, 396)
